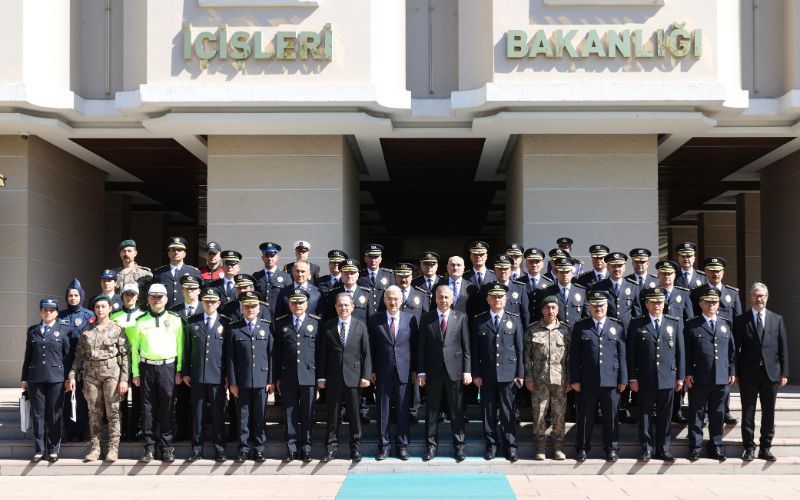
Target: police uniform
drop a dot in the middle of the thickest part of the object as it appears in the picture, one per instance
(47, 348)
(425, 283)
(710, 361)
(329, 281)
(685, 278)
(250, 365)
(315, 302)
(365, 303)
(269, 282)
(225, 287)
(497, 358)
(534, 283)
(204, 361)
(572, 304)
(170, 280)
(557, 253)
(656, 362)
(516, 298)
(593, 276)
(472, 275)
(379, 279)
(75, 319)
(233, 310)
(182, 393)
(297, 349)
(623, 304)
(597, 362)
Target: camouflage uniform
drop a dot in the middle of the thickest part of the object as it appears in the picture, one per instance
(546, 365)
(137, 274)
(102, 351)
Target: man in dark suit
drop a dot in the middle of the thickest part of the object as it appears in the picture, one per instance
(464, 292)
(301, 274)
(444, 364)
(710, 368)
(762, 365)
(345, 365)
(393, 337)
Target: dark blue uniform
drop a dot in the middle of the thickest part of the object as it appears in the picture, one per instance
(204, 358)
(472, 277)
(646, 281)
(679, 304)
(623, 303)
(172, 283)
(516, 301)
(570, 310)
(364, 303)
(597, 362)
(315, 302)
(710, 360)
(326, 284)
(226, 293)
(532, 288)
(233, 311)
(384, 278)
(268, 288)
(75, 320)
(656, 361)
(297, 358)
(250, 363)
(697, 278)
(44, 368)
(497, 359)
(730, 306)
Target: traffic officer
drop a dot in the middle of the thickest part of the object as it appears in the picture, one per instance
(546, 349)
(515, 251)
(297, 355)
(130, 272)
(429, 279)
(534, 279)
(131, 406)
(598, 373)
(497, 369)
(301, 252)
(656, 371)
(640, 260)
(329, 281)
(75, 318)
(688, 276)
(250, 364)
(44, 367)
(269, 280)
(203, 372)
(479, 274)
(156, 343)
(225, 284)
(374, 276)
(599, 270)
(213, 269)
(234, 310)
(710, 369)
(108, 287)
(170, 274)
(571, 296)
(517, 297)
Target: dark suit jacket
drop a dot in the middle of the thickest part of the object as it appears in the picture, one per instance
(751, 351)
(467, 296)
(396, 354)
(655, 359)
(46, 355)
(729, 304)
(472, 277)
(315, 302)
(250, 357)
(346, 364)
(585, 363)
(204, 355)
(297, 351)
(710, 356)
(438, 356)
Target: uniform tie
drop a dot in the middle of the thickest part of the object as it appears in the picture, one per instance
(189, 310)
(269, 276)
(46, 330)
(454, 285)
(686, 277)
(372, 278)
(656, 323)
(341, 331)
(229, 288)
(599, 277)
(711, 324)
(598, 327)
(480, 279)
(252, 327)
(208, 323)
(496, 322)
(392, 328)
(430, 284)
(640, 281)
(616, 288)
(564, 294)
(405, 295)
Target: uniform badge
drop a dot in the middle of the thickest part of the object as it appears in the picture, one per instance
(279, 279)
(78, 321)
(220, 329)
(728, 299)
(698, 282)
(416, 301)
(196, 327)
(515, 295)
(56, 333)
(723, 329)
(362, 300)
(166, 323)
(261, 332)
(612, 330)
(115, 306)
(578, 297)
(509, 324)
(285, 328)
(310, 328)
(384, 281)
(671, 343)
(652, 285)
(627, 291)
(678, 298)
(669, 330)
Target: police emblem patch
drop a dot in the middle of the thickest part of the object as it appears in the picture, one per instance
(261, 332)
(285, 328)
(166, 322)
(727, 298)
(612, 330)
(78, 321)
(220, 329)
(279, 279)
(669, 330)
(678, 298)
(56, 333)
(698, 282)
(384, 281)
(578, 297)
(671, 343)
(627, 291)
(310, 328)
(652, 285)
(116, 306)
(723, 329)
(362, 299)
(515, 295)
(416, 301)
(509, 324)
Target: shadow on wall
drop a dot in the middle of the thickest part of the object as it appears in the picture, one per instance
(539, 13)
(237, 19)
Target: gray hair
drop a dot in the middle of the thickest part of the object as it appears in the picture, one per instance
(393, 289)
(758, 286)
(342, 295)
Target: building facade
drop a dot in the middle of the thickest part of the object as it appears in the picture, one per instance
(417, 123)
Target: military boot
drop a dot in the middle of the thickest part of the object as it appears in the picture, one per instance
(113, 450)
(94, 450)
(558, 451)
(541, 447)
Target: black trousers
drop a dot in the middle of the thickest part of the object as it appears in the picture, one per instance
(660, 400)
(454, 395)
(702, 398)
(767, 391)
(400, 391)
(251, 405)
(79, 429)
(157, 384)
(493, 395)
(47, 401)
(183, 412)
(214, 396)
(608, 397)
(351, 396)
(298, 405)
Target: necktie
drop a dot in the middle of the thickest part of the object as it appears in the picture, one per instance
(454, 285)
(597, 326)
(297, 324)
(392, 328)
(46, 330)
(443, 325)
(686, 277)
(405, 295)
(760, 327)
(535, 282)
(341, 331)
(209, 322)
(334, 281)
(656, 323)
(599, 277)
(189, 311)
(174, 273)
(269, 276)
(711, 324)
(372, 277)
(480, 279)
(616, 288)
(252, 327)
(496, 322)
(430, 284)
(564, 294)
(640, 281)
(229, 289)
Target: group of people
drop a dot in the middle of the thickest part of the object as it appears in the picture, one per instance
(200, 344)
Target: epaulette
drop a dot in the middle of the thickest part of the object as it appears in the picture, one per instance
(315, 317)
(698, 286)
(62, 321)
(222, 316)
(726, 319)
(563, 323)
(638, 317)
(263, 320)
(614, 319)
(422, 290)
(731, 287)
(672, 317)
(632, 281)
(281, 317)
(652, 276)
(579, 285)
(546, 277)
(173, 313)
(511, 313)
(195, 315)
(365, 288)
(519, 282)
(586, 273)
(384, 269)
(190, 267)
(700, 272)
(481, 314)
(681, 288)
(160, 268)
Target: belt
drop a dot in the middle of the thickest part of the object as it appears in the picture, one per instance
(94, 362)
(157, 362)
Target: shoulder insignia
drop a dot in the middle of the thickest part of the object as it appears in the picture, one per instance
(640, 317)
(579, 285)
(191, 267)
(698, 286)
(519, 282)
(315, 317)
(173, 313)
(563, 323)
(681, 288)
(161, 268)
(727, 320)
(614, 319)
(511, 313)
(146, 268)
(365, 288)
(732, 287)
(263, 320)
(546, 278)
(481, 314)
(421, 290)
(281, 317)
(632, 281)
(143, 316)
(585, 273)
(702, 273)
(672, 317)
(195, 315)
(652, 276)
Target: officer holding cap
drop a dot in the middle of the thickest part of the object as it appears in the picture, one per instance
(170, 274)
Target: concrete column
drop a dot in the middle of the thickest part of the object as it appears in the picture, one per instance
(117, 227)
(592, 188)
(150, 230)
(51, 218)
(282, 189)
(679, 234)
(716, 237)
(748, 239)
(780, 224)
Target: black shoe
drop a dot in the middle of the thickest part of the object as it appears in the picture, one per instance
(716, 454)
(147, 457)
(241, 457)
(355, 456)
(694, 456)
(645, 456)
(289, 457)
(581, 456)
(460, 455)
(402, 453)
(365, 419)
(219, 458)
(678, 418)
(429, 454)
(441, 417)
(766, 454)
(305, 457)
(730, 419)
(37, 456)
(666, 456)
(328, 457)
(383, 454)
(490, 453)
(259, 457)
(52, 458)
(512, 456)
(612, 456)
(195, 456)
(748, 455)
(168, 455)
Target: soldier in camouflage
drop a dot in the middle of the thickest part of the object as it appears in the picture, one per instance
(546, 375)
(102, 351)
(130, 272)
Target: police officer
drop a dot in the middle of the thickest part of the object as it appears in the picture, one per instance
(515, 251)
(688, 276)
(130, 272)
(108, 287)
(269, 280)
(203, 372)
(565, 243)
(640, 259)
(598, 373)
(301, 276)
(156, 342)
(170, 274)
(75, 318)
(479, 274)
(554, 254)
(571, 296)
(251, 361)
(233, 310)
(533, 279)
(47, 350)
(297, 355)
(517, 297)
(102, 353)
(131, 405)
(599, 270)
(190, 293)
(190, 288)
(710, 369)
(413, 300)
(656, 363)
(329, 281)
(226, 285)
(301, 252)
(623, 293)
(373, 275)
(546, 345)
(497, 368)
(213, 269)
(429, 279)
